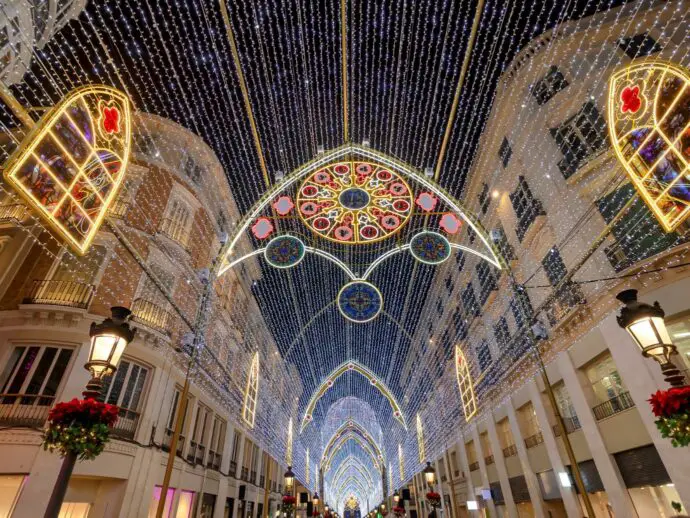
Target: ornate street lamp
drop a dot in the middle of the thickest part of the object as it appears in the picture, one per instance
(108, 341)
(645, 324)
(289, 479)
(396, 496)
(315, 499)
(429, 474)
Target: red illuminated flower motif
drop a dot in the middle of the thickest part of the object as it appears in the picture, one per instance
(426, 201)
(262, 228)
(450, 223)
(283, 205)
(630, 97)
(111, 120)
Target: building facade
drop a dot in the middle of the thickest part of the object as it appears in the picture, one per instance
(50, 297)
(547, 185)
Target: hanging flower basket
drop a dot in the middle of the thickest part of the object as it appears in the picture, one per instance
(315, 513)
(399, 511)
(672, 407)
(433, 498)
(384, 512)
(288, 504)
(80, 427)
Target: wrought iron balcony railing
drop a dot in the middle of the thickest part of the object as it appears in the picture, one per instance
(28, 410)
(613, 406)
(175, 231)
(151, 315)
(118, 209)
(474, 466)
(167, 439)
(60, 293)
(489, 460)
(214, 459)
(126, 425)
(13, 213)
(534, 440)
(233, 468)
(572, 423)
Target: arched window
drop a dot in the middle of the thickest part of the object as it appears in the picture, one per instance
(420, 439)
(251, 394)
(462, 369)
(401, 464)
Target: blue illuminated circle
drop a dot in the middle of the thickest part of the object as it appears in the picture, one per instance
(430, 247)
(354, 198)
(360, 301)
(284, 251)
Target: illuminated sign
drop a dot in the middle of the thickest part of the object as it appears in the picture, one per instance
(71, 165)
(649, 126)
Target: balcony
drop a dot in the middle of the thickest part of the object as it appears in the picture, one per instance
(118, 209)
(175, 231)
(489, 460)
(613, 406)
(262, 481)
(568, 297)
(534, 440)
(244, 474)
(273, 486)
(509, 451)
(233, 468)
(444, 478)
(474, 466)
(70, 294)
(196, 453)
(152, 316)
(252, 476)
(572, 423)
(214, 460)
(13, 213)
(26, 410)
(532, 212)
(167, 439)
(126, 425)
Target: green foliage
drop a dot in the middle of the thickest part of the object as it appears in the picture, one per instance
(86, 442)
(676, 427)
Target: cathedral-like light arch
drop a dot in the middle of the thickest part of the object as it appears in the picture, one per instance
(351, 427)
(356, 465)
(342, 441)
(351, 366)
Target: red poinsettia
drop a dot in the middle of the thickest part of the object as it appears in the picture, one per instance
(289, 500)
(83, 411)
(398, 511)
(315, 513)
(666, 403)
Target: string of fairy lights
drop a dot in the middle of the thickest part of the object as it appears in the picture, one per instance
(403, 63)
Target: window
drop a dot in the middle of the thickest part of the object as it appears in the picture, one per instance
(469, 302)
(501, 333)
(549, 85)
(10, 488)
(237, 437)
(638, 234)
(483, 355)
(579, 138)
(450, 284)
(178, 222)
(565, 405)
(604, 378)
(460, 259)
(462, 371)
(125, 389)
(459, 324)
(217, 442)
(420, 439)
(484, 198)
(199, 437)
(500, 240)
(191, 168)
(487, 280)
(521, 307)
(505, 152)
(251, 392)
(527, 208)
(639, 45)
(554, 266)
(33, 374)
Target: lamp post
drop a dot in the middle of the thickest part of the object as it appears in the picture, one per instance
(645, 324)
(315, 502)
(429, 475)
(108, 341)
(288, 480)
(396, 497)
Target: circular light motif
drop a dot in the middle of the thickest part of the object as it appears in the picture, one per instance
(360, 301)
(362, 202)
(284, 251)
(430, 247)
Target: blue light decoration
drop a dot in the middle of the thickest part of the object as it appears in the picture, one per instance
(360, 301)
(430, 247)
(284, 251)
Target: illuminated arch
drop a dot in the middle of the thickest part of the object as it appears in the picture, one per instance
(420, 439)
(462, 370)
(330, 380)
(342, 441)
(251, 392)
(354, 464)
(352, 427)
(401, 464)
(491, 255)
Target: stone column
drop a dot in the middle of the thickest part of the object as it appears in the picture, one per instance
(440, 489)
(482, 469)
(219, 511)
(530, 477)
(501, 467)
(606, 466)
(451, 485)
(465, 467)
(570, 500)
(642, 377)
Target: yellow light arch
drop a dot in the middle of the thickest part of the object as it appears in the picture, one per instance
(352, 427)
(251, 393)
(420, 439)
(401, 464)
(462, 370)
(342, 441)
(351, 366)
